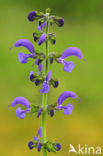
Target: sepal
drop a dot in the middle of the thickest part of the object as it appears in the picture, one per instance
(34, 108)
(53, 56)
(54, 83)
(36, 35)
(58, 20)
(52, 38)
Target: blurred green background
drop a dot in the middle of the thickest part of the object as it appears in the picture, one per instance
(84, 29)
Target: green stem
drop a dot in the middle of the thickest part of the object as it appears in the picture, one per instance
(44, 100)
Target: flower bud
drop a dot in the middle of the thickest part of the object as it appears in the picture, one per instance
(58, 20)
(30, 145)
(33, 15)
(39, 147)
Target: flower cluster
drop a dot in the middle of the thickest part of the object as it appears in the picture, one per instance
(44, 77)
(39, 144)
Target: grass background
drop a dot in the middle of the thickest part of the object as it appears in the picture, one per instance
(83, 29)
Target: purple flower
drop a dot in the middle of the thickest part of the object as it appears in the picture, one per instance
(41, 26)
(31, 16)
(23, 101)
(68, 108)
(23, 58)
(72, 51)
(45, 85)
(40, 65)
(42, 39)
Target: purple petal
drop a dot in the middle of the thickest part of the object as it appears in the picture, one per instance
(40, 132)
(25, 43)
(40, 67)
(68, 66)
(36, 61)
(48, 76)
(42, 39)
(72, 51)
(68, 109)
(23, 58)
(20, 100)
(45, 88)
(39, 147)
(35, 138)
(41, 26)
(65, 95)
(30, 145)
(21, 113)
(32, 16)
(39, 112)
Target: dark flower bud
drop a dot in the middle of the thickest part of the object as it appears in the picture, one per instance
(56, 83)
(37, 82)
(34, 15)
(58, 147)
(52, 113)
(51, 60)
(36, 35)
(33, 76)
(52, 38)
(39, 147)
(58, 20)
(30, 145)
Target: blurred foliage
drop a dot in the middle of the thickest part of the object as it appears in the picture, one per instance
(84, 29)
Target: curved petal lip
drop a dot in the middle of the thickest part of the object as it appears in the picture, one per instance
(22, 101)
(65, 95)
(25, 43)
(72, 51)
